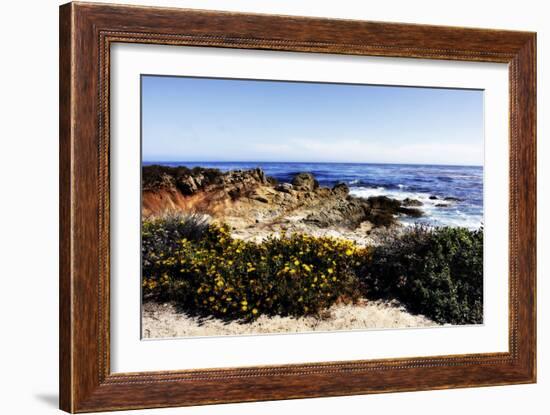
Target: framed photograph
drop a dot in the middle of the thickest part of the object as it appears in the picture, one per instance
(258, 207)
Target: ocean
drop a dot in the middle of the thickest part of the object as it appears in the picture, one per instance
(430, 184)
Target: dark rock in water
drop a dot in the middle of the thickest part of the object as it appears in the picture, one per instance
(433, 197)
(384, 202)
(443, 205)
(341, 189)
(452, 199)
(412, 212)
(384, 209)
(305, 181)
(284, 187)
(412, 202)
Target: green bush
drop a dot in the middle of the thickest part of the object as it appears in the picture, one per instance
(228, 278)
(160, 239)
(436, 272)
(163, 234)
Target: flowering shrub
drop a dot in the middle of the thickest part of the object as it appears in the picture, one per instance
(228, 278)
(160, 240)
(437, 272)
(199, 266)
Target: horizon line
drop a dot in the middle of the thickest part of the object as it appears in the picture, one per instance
(310, 162)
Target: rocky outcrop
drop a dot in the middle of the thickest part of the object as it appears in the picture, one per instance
(339, 211)
(255, 204)
(305, 181)
(341, 189)
(284, 187)
(412, 202)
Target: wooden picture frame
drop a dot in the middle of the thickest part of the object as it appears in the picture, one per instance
(86, 33)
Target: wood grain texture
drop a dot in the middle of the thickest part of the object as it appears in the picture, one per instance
(65, 246)
(86, 33)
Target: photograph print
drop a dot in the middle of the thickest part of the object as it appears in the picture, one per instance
(293, 207)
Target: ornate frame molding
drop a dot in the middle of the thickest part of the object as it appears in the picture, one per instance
(87, 31)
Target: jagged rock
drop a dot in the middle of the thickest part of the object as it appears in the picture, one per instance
(412, 202)
(384, 202)
(260, 198)
(245, 177)
(341, 189)
(339, 212)
(384, 210)
(187, 181)
(432, 197)
(166, 181)
(305, 181)
(259, 173)
(234, 193)
(412, 212)
(452, 199)
(284, 187)
(188, 185)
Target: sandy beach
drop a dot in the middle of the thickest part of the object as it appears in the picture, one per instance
(164, 321)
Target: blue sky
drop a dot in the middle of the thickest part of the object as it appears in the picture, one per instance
(201, 119)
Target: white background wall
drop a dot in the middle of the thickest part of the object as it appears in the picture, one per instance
(29, 205)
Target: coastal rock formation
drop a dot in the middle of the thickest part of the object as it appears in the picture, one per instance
(256, 206)
(305, 181)
(412, 202)
(341, 189)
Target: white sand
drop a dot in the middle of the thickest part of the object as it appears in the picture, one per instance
(162, 320)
